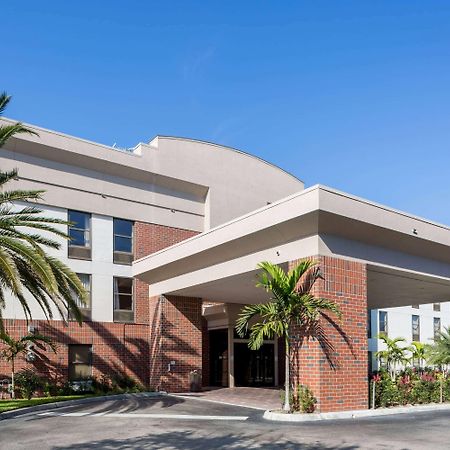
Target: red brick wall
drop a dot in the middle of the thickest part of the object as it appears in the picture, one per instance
(338, 381)
(166, 318)
(150, 238)
(176, 335)
(117, 348)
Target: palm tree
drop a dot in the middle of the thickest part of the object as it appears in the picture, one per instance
(291, 303)
(438, 353)
(16, 347)
(418, 350)
(393, 354)
(25, 267)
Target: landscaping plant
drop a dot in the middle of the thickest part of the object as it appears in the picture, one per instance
(13, 348)
(28, 382)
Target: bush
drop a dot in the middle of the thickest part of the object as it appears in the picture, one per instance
(410, 387)
(125, 383)
(303, 400)
(50, 389)
(28, 382)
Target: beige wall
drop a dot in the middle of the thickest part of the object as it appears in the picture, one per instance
(170, 181)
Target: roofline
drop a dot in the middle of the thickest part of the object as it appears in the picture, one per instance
(69, 136)
(132, 153)
(287, 199)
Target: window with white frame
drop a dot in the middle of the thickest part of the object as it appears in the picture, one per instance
(436, 327)
(383, 322)
(415, 327)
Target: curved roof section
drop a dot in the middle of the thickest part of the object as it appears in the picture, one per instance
(228, 148)
(238, 182)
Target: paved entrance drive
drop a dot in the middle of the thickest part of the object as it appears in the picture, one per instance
(175, 423)
(260, 398)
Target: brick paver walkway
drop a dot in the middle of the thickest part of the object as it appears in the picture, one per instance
(262, 398)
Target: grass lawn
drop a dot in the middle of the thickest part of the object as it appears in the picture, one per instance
(9, 404)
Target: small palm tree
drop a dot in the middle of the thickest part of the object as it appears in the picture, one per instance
(393, 354)
(291, 303)
(418, 350)
(438, 353)
(17, 347)
(25, 267)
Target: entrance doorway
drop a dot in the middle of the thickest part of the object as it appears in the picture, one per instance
(254, 368)
(218, 357)
(249, 368)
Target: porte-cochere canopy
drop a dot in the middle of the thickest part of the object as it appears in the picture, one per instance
(407, 258)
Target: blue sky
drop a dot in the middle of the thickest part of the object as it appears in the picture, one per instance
(351, 94)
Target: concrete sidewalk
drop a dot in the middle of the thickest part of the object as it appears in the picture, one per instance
(256, 398)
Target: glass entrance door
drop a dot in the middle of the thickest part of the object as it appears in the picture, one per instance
(218, 357)
(254, 367)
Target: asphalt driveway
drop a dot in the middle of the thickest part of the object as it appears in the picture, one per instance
(178, 423)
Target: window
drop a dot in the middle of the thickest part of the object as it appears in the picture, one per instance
(80, 235)
(85, 308)
(80, 362)
(415, 306)
(369, 324)
(383, 322)
(123, 241)
(436, 326)
(415, 328)
(123, 299)
(436, 306)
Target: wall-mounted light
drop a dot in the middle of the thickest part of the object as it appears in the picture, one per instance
(104, 196)
(414, 231)
(172, 211)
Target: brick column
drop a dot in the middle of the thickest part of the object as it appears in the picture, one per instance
(176, 335)
(334, 365)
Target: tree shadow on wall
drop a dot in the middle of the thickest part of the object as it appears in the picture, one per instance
(317, 331)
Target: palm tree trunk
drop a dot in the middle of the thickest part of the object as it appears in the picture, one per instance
(287, 382)
(13, 394)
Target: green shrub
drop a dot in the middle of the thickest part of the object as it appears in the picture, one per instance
(28, 382)
(125, 383)
(49, 388)
(304, 400)
(410, 387)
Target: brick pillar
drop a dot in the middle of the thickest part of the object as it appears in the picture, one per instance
(176, 335)
(336, 370)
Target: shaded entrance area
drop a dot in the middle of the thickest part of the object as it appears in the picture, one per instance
(252, 368)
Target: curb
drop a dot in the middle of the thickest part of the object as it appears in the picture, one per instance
(30, 409)
(356, 414)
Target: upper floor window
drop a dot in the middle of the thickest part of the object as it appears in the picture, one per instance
(415, 325)
(123, 299)
(436, 306)
(436, 326)
(85, 308)
(123, 241)
(80, 235)
(415, 306)
(383, 322)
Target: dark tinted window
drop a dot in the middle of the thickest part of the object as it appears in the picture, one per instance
(79, 231)
(123, 236)
(123, 294)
